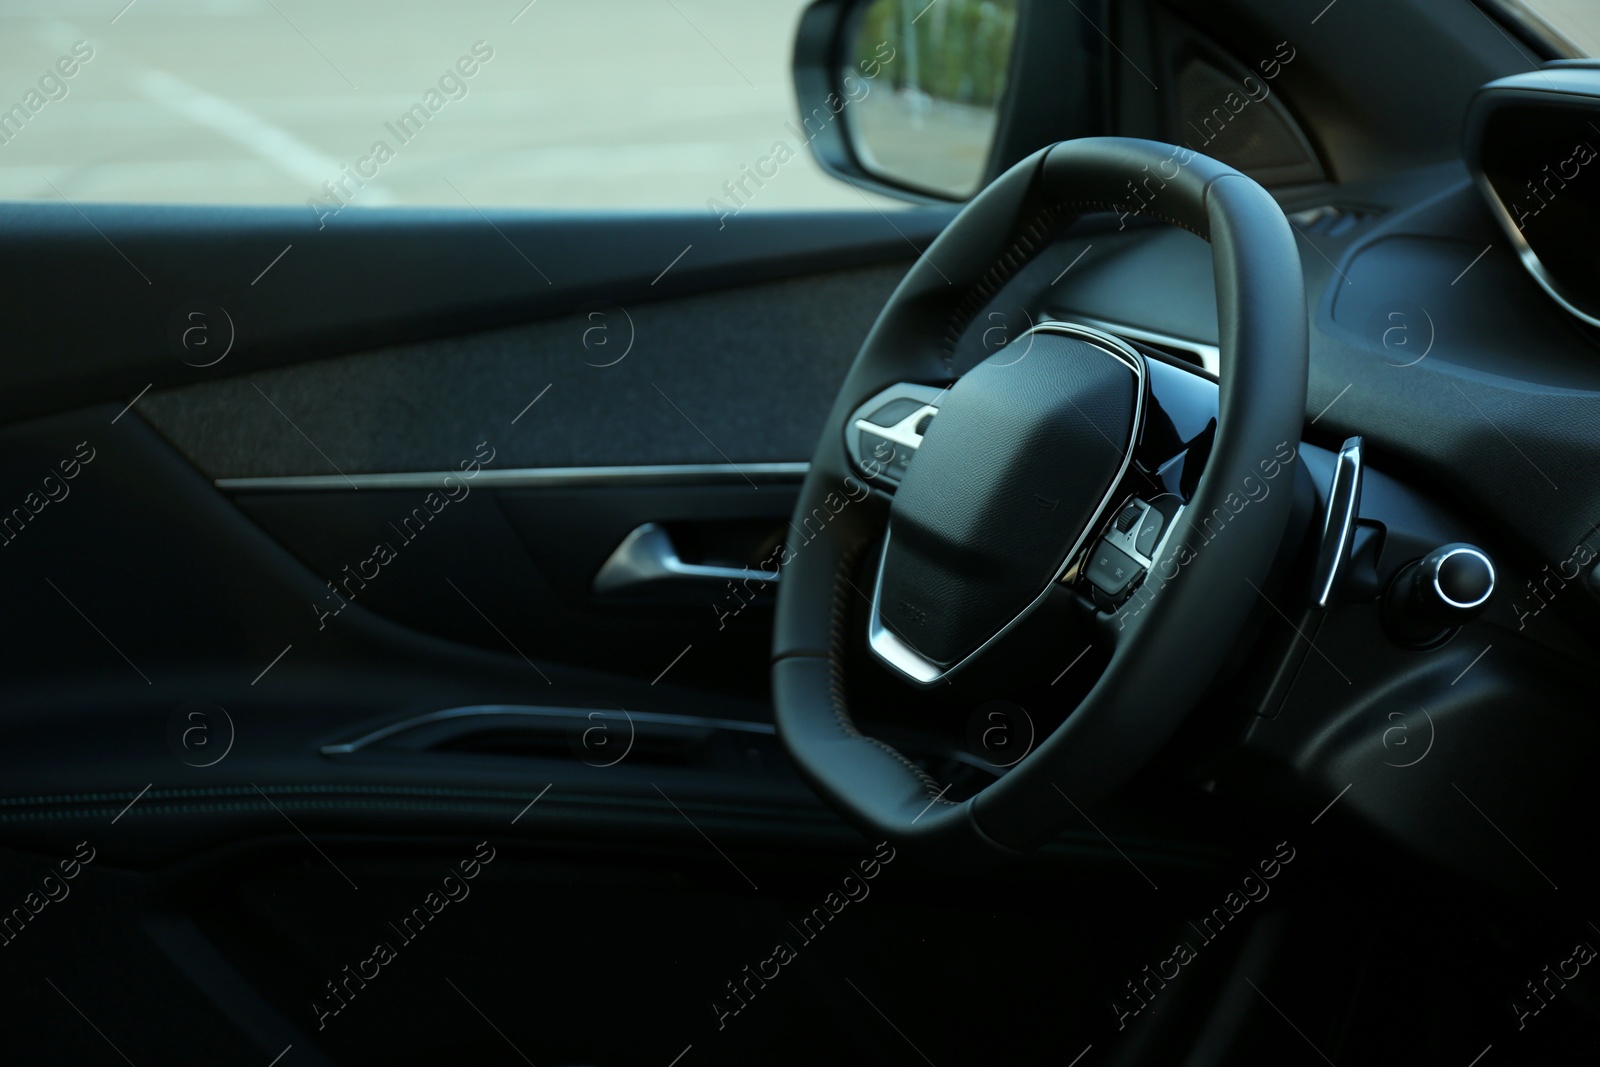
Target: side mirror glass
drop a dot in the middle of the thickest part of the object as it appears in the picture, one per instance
(925, 81)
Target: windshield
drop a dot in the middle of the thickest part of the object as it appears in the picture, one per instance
(1572, 27)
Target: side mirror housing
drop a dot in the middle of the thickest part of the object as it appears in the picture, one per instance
(929, 101)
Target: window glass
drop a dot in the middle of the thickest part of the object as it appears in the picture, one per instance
(1575, 22)
(366, 103)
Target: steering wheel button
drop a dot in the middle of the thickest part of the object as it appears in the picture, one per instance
(1149, 533)
(1129, 516)
(880, 454)
(1112, 570)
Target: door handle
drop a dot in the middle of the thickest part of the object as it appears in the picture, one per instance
(647, 557)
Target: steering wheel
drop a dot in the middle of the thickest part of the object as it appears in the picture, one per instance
(1024, 475)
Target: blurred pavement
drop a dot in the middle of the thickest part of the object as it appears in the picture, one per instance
(605, 103)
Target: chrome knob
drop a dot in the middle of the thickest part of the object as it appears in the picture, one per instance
(1443, 590)
(1452, 584)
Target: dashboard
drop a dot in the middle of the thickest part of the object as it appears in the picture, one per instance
(1476, 391)
(1427, 337)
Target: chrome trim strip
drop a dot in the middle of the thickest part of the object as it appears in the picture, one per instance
(530, 477)
(1437, 588)
(1210, 356)
(892, 649)
(895, 652)
(523, 711)
(1344, 507)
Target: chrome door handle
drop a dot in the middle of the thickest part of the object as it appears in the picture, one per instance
(647, 556)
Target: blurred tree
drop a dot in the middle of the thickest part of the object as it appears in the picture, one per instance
(952, 50)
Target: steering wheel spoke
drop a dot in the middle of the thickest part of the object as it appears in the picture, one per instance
(883, 434)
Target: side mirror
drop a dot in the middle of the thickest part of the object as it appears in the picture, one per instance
(929, 101)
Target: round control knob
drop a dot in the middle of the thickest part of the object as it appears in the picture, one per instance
(1447, 588)
(1452, 584)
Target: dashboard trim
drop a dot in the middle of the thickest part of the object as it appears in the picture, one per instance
(529, 477)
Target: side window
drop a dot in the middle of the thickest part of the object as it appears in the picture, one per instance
(1571, 27)
(352, 105)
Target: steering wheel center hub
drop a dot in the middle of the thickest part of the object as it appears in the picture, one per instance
(1016, 469)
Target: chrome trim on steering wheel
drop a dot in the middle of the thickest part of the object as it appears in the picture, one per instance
(894, 650)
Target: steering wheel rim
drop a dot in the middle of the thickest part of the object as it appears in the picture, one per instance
(1167, 652)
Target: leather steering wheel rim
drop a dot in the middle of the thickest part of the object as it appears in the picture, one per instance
(1165, 654)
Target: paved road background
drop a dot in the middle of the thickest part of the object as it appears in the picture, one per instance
(586, 103)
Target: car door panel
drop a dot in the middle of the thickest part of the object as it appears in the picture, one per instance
(216, 688)
(101, 292)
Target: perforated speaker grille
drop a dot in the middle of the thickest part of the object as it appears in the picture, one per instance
(1244, 129)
